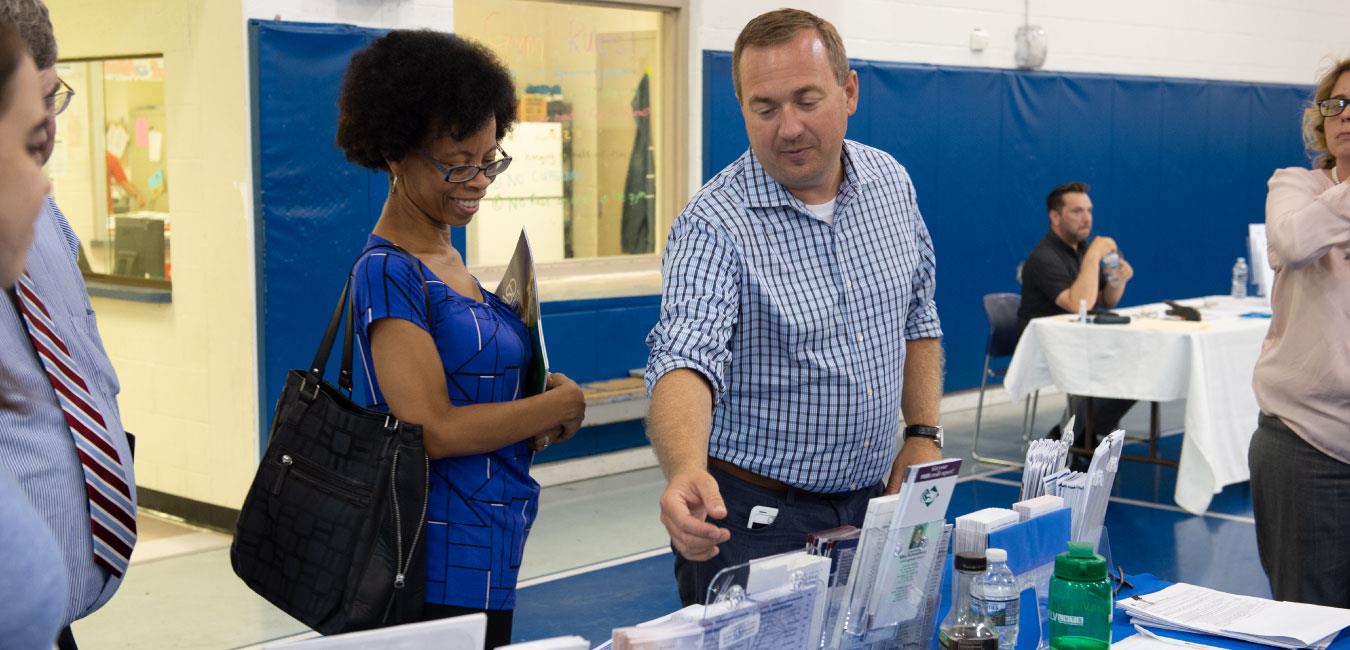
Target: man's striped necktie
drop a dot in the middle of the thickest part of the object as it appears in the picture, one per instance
(112, 515)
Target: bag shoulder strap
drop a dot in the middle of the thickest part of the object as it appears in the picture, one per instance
(346, 303)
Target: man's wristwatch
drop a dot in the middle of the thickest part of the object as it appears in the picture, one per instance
(924, 431)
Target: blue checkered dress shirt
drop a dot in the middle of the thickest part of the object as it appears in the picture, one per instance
(799, 325)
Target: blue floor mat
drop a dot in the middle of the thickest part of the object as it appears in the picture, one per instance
(1210, 551)
(592, 604)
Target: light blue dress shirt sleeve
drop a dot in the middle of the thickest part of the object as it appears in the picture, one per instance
(699, 303)
(32, 575)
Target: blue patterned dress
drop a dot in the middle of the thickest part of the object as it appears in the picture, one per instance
(481, 506)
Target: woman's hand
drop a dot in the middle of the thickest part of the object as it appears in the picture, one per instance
(569, 406)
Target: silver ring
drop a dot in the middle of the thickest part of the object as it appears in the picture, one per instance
(546, 443)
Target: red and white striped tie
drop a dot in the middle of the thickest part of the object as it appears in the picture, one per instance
(112, 516)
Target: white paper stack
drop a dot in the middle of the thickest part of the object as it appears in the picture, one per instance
(1038, 506)
(670, 635)
(1190, 608)
(556, 643)
(1050, 482)
(458, 633)
(777, 572)
(972, 530)
(1088, 494)
(1045, 457)
(1101, 477)
(676, 630)
(1073, 489)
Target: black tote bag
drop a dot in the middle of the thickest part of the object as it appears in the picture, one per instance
(331, 529)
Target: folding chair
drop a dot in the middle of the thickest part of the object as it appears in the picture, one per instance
(1001, 308)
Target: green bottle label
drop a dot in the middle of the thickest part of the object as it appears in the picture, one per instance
(1065, 619)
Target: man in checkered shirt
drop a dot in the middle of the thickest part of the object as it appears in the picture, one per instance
(797, 320)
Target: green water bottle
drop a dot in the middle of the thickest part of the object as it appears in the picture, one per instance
(1080, 601)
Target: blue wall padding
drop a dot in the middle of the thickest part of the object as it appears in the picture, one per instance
(599, 439)
(1178, 168)
(589, 340)
(312, 208)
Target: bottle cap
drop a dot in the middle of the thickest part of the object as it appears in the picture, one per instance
(996, 555)
(1080, 564)
(970, 561)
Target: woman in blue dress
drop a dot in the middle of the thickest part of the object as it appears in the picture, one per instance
(430, 109)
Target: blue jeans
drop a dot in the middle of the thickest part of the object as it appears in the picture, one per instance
(799, 514)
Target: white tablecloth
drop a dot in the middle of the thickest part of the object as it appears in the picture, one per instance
(1208, 363)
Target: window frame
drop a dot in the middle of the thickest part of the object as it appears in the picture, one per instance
(110, 284)
(631, 275)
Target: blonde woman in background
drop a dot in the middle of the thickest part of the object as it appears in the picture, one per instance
(1300, 454)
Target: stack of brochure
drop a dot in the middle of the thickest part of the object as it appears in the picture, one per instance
(1189, 608)
(1097, 484)
(666, 635)
(972, 530)
(1037, 506)
(840, 545)
(556, 643)
(1087, 494)
(1045, 458)
(901, 538)
(771, 603)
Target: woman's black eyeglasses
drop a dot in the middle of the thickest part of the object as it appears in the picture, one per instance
(1332, 107)
(59, 99)
(466, 173)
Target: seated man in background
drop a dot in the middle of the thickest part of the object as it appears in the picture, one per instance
(1064, 271)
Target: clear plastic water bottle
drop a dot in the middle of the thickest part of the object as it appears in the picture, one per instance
(966, 628)
(1111, 268)
(996, 593)
(1240, 279)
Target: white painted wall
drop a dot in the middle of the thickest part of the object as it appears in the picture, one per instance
(188, 369)
(386, 14)
(1282, 41)
(1249, 40)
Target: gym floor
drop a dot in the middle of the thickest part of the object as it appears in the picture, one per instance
(598, 557)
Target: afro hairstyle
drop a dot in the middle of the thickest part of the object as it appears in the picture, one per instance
(413, 84)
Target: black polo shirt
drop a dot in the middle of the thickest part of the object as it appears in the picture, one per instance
(1050, 269)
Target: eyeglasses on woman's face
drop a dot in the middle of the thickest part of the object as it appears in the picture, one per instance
(466, 173)
(1333, 106)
